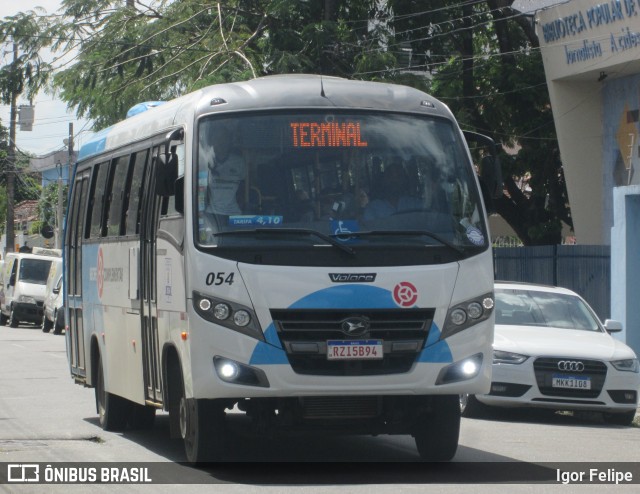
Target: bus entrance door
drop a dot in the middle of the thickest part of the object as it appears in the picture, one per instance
(149, 226)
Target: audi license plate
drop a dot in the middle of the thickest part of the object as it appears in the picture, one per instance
(354, 350)
(570, 382)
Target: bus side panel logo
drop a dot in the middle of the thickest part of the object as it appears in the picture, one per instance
(352, 277)
(405, 294)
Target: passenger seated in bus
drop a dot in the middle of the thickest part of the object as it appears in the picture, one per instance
(395, 194)
(227, 169)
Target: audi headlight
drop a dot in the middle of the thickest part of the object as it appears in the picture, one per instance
(500, 357)
(228, 314)
(26, 300)
(466, 314)
(627, 365)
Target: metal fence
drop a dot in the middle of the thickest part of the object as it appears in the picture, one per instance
(585, 269)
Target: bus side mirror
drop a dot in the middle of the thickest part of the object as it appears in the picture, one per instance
(179, 194)
(166, 174)
(12, 280)
(168, 163)
(490, 171)
(491, 174)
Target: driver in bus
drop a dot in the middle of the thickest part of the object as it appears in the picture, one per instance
(226, 170)
(395, 194)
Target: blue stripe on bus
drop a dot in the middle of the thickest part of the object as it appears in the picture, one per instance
(96, 145)
(353, 296)
(435, 350)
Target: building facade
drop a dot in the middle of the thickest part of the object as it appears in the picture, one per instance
(591, 54)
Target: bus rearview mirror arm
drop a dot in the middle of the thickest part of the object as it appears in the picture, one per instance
(167, 164)
(490, 172)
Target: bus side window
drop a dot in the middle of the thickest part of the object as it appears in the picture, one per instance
(134, 194)
(97, 199)
(118, 180)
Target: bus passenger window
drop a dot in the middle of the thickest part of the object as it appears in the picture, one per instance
(98, 199)
(132, 216)
(120, 167)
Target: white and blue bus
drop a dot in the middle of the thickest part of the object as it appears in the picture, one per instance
(310, 251)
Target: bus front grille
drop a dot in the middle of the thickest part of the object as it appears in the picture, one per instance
(341, 407)
(304, 334)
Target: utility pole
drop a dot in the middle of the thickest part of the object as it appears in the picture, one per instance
(58, 230)
(11, 163)
(71, 163)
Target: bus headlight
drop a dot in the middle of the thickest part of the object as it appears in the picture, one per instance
(221, 311)
(467, 314)
(228, 314)
(241, 318)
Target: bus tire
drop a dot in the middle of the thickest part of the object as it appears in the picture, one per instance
(202, 427)
(437, 432)
(471, 407)
(113, 410)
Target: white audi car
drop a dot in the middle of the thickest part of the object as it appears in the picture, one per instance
(551, 351)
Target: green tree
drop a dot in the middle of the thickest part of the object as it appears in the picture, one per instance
(161, 49)
(48, 203)
(25, 187)
(486, 65)
(479, 57)
(25, 74)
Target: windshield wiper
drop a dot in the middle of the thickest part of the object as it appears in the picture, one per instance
(287, 231)
(412, 233)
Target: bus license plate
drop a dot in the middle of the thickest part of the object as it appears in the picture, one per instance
(571, 382)
(354, 350)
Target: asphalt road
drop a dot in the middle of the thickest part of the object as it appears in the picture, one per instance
(45, 418)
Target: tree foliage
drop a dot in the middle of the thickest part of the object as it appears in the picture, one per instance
(48, 204)
(29, 71)
(480, 57)
(486, 65)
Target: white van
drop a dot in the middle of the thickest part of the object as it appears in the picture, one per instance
(53, 314)
(24, 280)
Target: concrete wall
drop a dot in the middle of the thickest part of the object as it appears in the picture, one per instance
(625, 263)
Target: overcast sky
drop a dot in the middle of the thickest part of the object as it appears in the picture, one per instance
(52, 119)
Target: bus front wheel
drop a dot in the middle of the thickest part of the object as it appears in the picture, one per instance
(202, 429)
(113, 410)
(437, 432)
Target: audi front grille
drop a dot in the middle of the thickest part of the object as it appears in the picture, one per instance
(304, 334)
(546, 368)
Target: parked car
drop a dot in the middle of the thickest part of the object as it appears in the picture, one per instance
(551, 351)
(53, 312)
(24, 280)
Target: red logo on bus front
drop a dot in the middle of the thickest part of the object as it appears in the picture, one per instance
(100, 273)
(405, 294)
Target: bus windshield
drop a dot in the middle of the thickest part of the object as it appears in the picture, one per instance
(361, 178)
